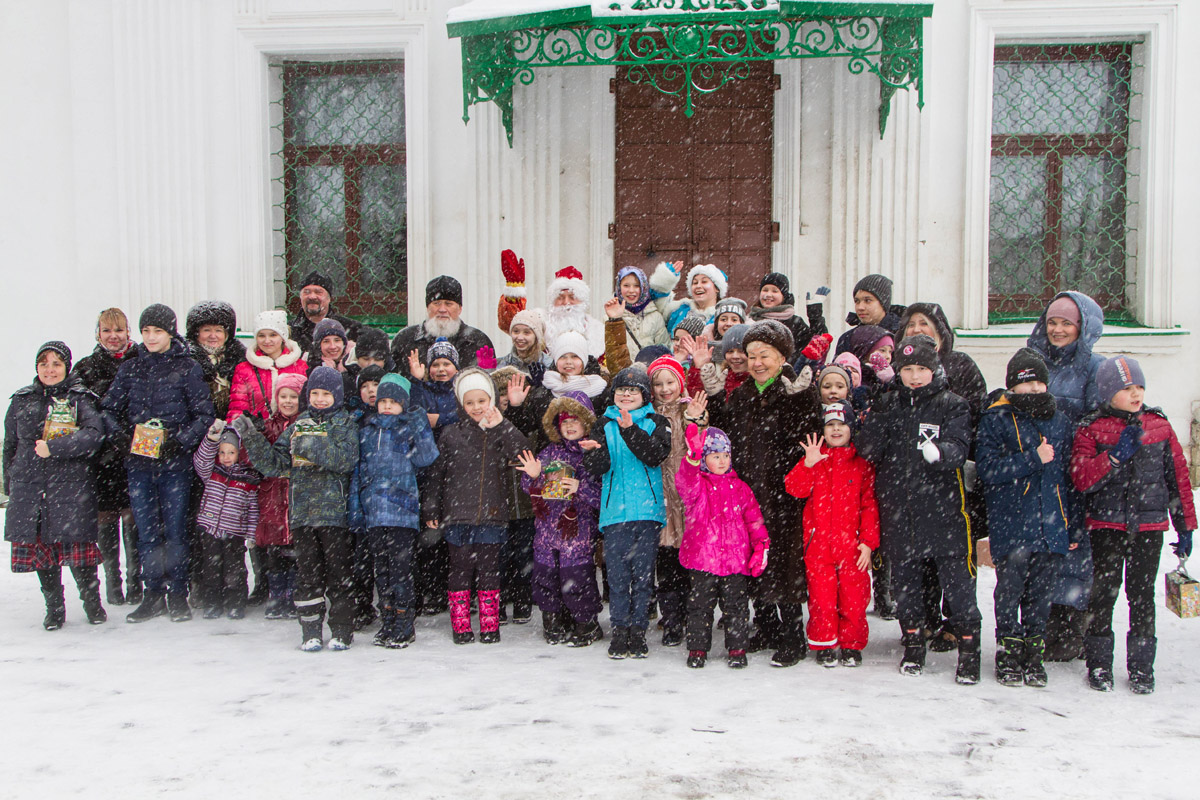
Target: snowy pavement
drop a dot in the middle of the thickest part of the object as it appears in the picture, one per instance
(232, 709)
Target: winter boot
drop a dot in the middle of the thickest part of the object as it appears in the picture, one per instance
(489, 616)
(967, 672)
(767, 628)
(1064, 633)
(942, 640)
(153, 605)
(1139, 660)
(52, 590)
(215, 611)
(554, 627)
(1035, 668)
(133, 591)
(503, 614)
(696, 659)
(851, 658)
(585, 633)
(341, 638)
(827, 658)
(1010, 652)
(460, 617)
(913, 661)
(522, 613)
(310, 635)
(1098, 650)
(881, 585)
(736, 659)
(387, 622)
(619, 646)
(364, 615)
(637, 643)
(88, 581)
(177, 606)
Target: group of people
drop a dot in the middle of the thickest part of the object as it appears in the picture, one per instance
(700, 451)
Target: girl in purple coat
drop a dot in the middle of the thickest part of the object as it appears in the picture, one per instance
(564, 574)
(724, 543)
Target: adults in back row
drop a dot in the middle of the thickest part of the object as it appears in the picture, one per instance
(316, 304)
(443, 307)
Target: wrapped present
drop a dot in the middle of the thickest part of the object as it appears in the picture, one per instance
(148, 439)
(553, 487)
(1183, 593)
(60, 420)
(305, 428)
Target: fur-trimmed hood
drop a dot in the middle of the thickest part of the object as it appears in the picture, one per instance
(573, 404)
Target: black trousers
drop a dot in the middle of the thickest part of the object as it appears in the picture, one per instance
(516, 563)
(705, 590)
(672, 587)
(958, 586)
(1133, 556)
(323, 563)
(433, 566)
(480, 561)
(223, 570)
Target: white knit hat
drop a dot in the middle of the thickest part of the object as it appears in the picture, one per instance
(713, 274)
(569, 279)
(273, 320)
(474, 378)
(569, 342)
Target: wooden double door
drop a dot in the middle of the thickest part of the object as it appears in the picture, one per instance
(698, 189)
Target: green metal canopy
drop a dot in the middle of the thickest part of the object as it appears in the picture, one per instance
(683, 48)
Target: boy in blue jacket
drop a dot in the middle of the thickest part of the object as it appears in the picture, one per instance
(1022, 450)
(393, 443)
(627, 447)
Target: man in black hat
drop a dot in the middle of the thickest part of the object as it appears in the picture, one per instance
(316, 297)
(443, 305)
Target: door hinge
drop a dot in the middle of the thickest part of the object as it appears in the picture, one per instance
(612, 85)
(612, 230)
(776, 81)
(774, 231)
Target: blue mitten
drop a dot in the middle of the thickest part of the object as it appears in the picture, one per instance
(1183, 544)
(1129, 443)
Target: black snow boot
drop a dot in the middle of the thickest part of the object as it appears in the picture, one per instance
(881, 587)
(52, 590)
(585, 633)
(1139, 659)
(913, 660)
(1010, 652)
(637, 643)
(88, 582)
(967, 672)
(696, 659)
(554, 627)
(1099, 653)
(767, 627)
(522, 613)
(153, 605)
(1035, 667)
(618, 646)
(177, 605)
(310, 634)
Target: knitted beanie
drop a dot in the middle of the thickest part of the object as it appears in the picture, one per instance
(1116, 373)
(531, 318)
(734, 339)
(371, 343)
(57, 347)
(692, 323)
(393, 387)
(443, 287)
(835, 369)
(371, 373)
(652, 352)
(850, 363)
(1064, 308)
(771, 332)
(731, 305)
(715, 441)
(635, 376)
(1026, 365)
(159, 316)
(316, 278)
(328, 327)
(667, 363)
(841, 411)
(719, 278)
(274, 319)
(289, 380)
(471, 379)
(229, 435)
(878, 285)
(568, 342)
(920, 350)
(441, 349)
(330, 380)
(780, 282)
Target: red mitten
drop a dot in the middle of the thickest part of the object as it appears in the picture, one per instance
(513, 299)
(695, 441)
(758, 560)
(485, 358)
(817, 348)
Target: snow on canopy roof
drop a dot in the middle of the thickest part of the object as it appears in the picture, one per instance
(561, 12)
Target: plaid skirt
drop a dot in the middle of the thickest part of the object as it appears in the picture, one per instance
(48, 555)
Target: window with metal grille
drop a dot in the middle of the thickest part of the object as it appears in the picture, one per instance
(341, 195)
(1062, 212)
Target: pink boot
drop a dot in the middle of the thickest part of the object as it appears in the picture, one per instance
(460, 617)
(489, 617)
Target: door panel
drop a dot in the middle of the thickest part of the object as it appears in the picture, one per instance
(696, 190)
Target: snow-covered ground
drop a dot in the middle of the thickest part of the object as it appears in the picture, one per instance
(231, 709)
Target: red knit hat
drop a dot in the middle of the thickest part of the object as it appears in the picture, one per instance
(667, 362)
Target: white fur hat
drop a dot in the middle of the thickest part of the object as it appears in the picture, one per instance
(474, 378)
(273, 320)
(569, 279)
(569, 342)
(713, 274)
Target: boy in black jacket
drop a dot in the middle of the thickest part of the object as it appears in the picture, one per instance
(918, 436)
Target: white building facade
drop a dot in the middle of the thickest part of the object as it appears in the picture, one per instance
(156, 151)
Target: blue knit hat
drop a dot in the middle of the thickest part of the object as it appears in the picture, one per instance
(393, 387)
(715, 441)
(636, 377)
(330, 380)
(839, 411)
(441, 349)
(1116, 373)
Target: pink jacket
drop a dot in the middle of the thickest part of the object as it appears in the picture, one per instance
(723, 522)
(252, 391)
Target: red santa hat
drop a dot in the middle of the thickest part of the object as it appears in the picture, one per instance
(569, 279)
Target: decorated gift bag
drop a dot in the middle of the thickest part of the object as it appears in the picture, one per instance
(553, 487)
(60, 420)
(148, 439)
(306, 428)
(1183, 592)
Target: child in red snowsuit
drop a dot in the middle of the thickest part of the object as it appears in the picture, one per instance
(841, 528)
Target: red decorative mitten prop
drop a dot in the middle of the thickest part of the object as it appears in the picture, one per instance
(695, 441)
(485, 358)
(817, 348)
(758, 560)
(513, 299)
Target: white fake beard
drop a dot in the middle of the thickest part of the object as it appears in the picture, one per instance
(566, 318)
(448, 328)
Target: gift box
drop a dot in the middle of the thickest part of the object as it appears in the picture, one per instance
(553, 488)
(60, 420)
(148, 439)
(303, 429)
(1183, 593)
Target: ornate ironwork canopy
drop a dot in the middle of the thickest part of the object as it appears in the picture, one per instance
(685, 48)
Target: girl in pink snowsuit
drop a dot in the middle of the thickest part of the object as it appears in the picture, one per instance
(724, 543)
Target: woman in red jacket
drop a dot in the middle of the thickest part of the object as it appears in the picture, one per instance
(275, 354)
(841, 528)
